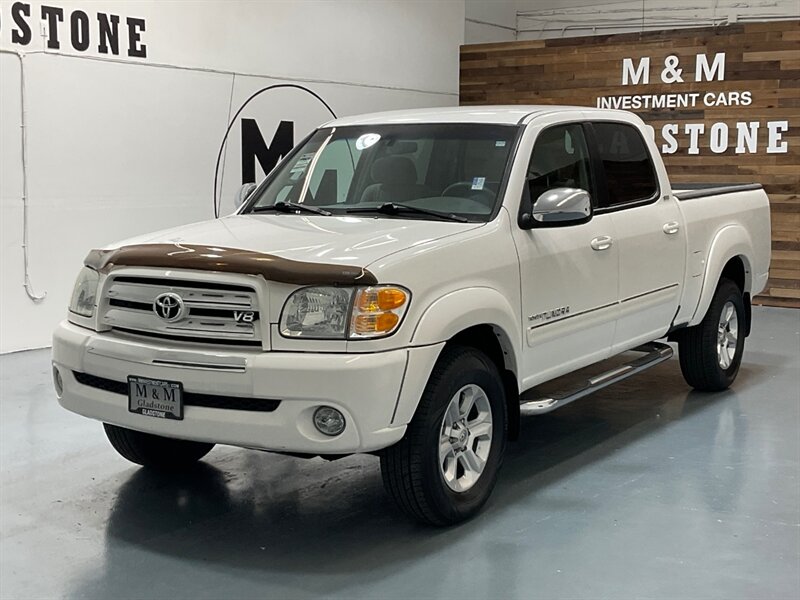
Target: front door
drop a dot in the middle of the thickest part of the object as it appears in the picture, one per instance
(569, 274)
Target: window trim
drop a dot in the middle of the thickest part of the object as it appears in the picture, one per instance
(501, 190)
(597, 161)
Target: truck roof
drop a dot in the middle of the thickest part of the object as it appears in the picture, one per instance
(502, 115)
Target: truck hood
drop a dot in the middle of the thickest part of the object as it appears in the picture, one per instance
(345, 240)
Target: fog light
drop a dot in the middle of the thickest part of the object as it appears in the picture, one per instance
(328, 420)
(57, 382)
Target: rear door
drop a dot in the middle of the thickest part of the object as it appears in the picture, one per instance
(650, 236)
(568, 274)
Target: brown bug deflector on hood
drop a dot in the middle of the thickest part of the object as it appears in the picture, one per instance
(228, 260)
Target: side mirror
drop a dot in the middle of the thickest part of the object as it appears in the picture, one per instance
(243, 194)
(559, 207)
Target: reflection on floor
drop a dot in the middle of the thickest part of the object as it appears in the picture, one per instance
(642, 490)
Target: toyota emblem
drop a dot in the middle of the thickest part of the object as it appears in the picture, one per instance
(169, 306)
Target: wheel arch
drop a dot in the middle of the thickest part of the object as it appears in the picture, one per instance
(728, 257)
(480, 318)
(464, 310)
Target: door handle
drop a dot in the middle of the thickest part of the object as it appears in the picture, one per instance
(603, 242)
(671, 227)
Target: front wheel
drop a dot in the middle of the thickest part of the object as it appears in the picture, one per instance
(154, 451)
(710, 352)
(445, 467)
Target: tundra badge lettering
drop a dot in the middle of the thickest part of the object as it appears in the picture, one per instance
(550, 314)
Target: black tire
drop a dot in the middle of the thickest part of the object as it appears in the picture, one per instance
(411, 470)
(154, 451)
(697, 346)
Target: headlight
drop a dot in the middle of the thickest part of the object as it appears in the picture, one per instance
(344, 313)
(317, 312)
(84, 294)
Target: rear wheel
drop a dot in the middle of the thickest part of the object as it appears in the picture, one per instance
(710, 352)
(155, 451)
(445, 467)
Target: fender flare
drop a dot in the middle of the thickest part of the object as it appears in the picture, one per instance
(445, 317)
(461, 309)
(729, 242)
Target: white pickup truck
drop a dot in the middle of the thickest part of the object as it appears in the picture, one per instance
(401, 283)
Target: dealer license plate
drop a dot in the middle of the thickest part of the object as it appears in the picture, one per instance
(155, 397)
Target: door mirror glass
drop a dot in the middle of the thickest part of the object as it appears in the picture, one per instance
(562, 206)
(243, 194)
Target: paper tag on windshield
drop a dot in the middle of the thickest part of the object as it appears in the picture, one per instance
(303, 161)
(499, 144)
(477, 183)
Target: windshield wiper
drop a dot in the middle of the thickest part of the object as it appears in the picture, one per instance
(289, 207)
(393, 208)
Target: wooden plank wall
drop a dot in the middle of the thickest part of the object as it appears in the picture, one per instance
(763, 58)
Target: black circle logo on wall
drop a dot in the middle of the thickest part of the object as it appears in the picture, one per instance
(282, 142)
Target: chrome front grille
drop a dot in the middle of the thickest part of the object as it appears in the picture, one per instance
(213, 312)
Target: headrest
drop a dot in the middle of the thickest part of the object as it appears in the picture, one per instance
(394, 170)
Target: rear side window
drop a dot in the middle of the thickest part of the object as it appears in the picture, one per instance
(630, 176)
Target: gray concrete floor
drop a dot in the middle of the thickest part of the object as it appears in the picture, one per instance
(645, 490)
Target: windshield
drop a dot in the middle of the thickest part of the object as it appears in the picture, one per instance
(453, 169)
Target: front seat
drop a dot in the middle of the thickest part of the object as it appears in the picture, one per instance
(395, 180)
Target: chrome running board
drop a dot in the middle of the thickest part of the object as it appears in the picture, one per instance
(654, 353)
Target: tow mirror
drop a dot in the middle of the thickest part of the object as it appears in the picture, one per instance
(559, 207)
(243, 194)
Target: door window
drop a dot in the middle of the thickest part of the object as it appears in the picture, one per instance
(630, 177)
(560, 158)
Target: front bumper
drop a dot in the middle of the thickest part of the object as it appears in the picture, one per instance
(364, 387)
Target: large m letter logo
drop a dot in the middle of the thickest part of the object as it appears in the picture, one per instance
(631, 76)
(254, 147)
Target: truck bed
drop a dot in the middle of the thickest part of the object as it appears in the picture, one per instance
(711, 212)
(692, 192)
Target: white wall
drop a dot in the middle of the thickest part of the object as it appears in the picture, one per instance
(569, 18)
(490, 21)
(539, 19)
(119, 146)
